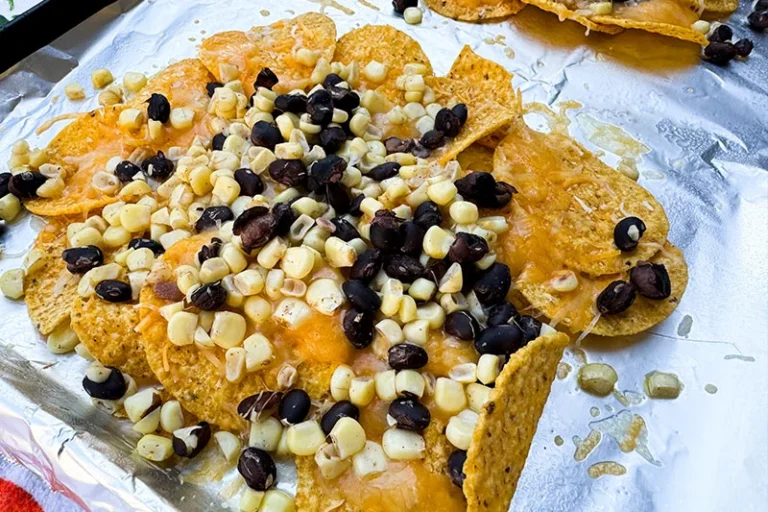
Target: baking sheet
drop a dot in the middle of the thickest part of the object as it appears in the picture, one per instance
(707, 131)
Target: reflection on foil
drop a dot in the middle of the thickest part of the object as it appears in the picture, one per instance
(629, 431)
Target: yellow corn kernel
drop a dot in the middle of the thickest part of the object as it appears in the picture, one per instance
(134, 82)
(181, 328)
(450, 395)
(228, 329)
(130, 119)
(74, 91)
(101, 78)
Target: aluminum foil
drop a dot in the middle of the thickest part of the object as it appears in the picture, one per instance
(699, 136)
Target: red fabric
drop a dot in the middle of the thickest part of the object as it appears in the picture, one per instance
(15, 499)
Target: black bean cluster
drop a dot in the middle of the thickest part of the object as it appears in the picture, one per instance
(722, 49)
(758, 19)
(23, 185)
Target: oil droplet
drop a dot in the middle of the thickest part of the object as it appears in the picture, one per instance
(368, 4)
(629, 431)
(684, 327)
(563, 369)
(559, 441)
(595, 412)
(579, 355)
(586, 446)
(611, 138)
(509, 52)
(711, 389)
(606, 468)
(264, 12)
(196, 22)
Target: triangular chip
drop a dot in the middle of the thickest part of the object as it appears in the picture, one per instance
(576, 310)
(564, 13)
(274, 46)
(475, 10)
(569, 203)
(385, 45)
(719, 6)
(508, 422)
(49, 291)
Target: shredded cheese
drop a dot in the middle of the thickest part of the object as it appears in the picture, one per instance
(43, 127)
(166, 366)
(588, 328)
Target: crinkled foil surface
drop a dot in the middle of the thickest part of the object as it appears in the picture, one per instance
(707, 133)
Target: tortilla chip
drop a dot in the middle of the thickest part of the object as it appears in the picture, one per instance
(476, 158)
(107, 331)
(183, 83)
(274, 47)
(508, 422)
(576, 310)
(485, 115)
(564, 13)
(200, 386)
(570, 202)
(475, 10)
(720, 6)
(385, 45)
(49, 292)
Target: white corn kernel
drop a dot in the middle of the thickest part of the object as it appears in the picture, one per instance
(134, 82)
(235, 364)
(10, 207)
(463, 212)
(442, 192)
(414, 111)
(258, 352)
(155, 448)
(306, 57)
(228, 329)
(62, 340)
(477, 396)
(169, 310)
(325, 296)
(226, 190)
(297, 262)
(432, 313)
(305, 438)
(401, 444)
(213, 269)
(408, 309)
(53, 187)
(341, 382)
(662, 385)
(229, 445)
(416, 331)
(171, 416)
(135, 217)
(94, 276)
(250, 500)
(257, 310)
(409, 382)
(293, 288)
(701, 26)
(181, 328)
(601, 7)
(130, 119)
(339, 253)
(277, 501)
(362, 391)
(74, 91)
(359, 124)
(140, 259)
(449, 395)
(265, 434)
(274, 283)
(292, 313)
(488, 368)
(597, 378)
(385, 385)
(453, 280)
(375, 72)
(437, 242)
(182, 118)
(329, 461)
(564, 282)
(369, 206)
(414, 96)
(187, 276)
(234, 259)
(347, 436)
(452, 302)
(100, 78)
(390, 330)
(424, 124)
(392, 296)
(249, 282)
(271, 253)
(460, 429)
(464, 373)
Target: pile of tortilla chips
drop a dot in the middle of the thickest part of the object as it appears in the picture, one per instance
(134, 338)
(673, 18)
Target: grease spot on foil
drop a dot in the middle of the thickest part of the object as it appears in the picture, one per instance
(563, 369)
(586, 446)
(611, 138)
(628, 398)
(579, 355)
(629, 431)
(594, 411)
(739, 357)
(324, 4)
(606, 468)
(711, 389)
(684, 327)
(264, 12)
(559, 441)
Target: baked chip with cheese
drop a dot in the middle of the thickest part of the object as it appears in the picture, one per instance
(476, 10)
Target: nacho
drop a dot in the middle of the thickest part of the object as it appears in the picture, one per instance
(719, 6)
(508, 422)
(475, 10)
(569, 203)
(385, 45)
(564, 13)
(275, 47)
(49, 291)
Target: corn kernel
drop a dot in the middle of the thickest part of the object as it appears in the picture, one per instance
(134, 82)
(341, 381)
(416, 331)
(228, 329)
(385, 385)
(477, 396)
(375, 72)
(74, 91)
(181, 328)
(362, 391)
(409, 382)
(155, 448)
(101, 78)
(601, 7)
(460, 429)
(325, 296)
(271, 253)
(306, 57)
(258, 352)
(339, 253)
(449, 395)
(265, 434)
(401, 444)
(305, 438)
(130, 119)
(437, 242)
(292, 313)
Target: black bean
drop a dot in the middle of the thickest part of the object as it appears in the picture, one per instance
(82, 259)
(217, 144)
(404, 267)
(384, 171)
(211, 87)
(462, 325)
(651, 280)
(467, 248)
(360, 296)
(502, 195)
(419, 150)
(470, 273)
(433, 139)
(337, 196)
(413, 236)
(209, 297)
(492, 285)
(213, 217)
(396, 145)
(743, 47)
(294, 103)
(627, 233)
(168, 290)
(324, 171)
(190, 441)
(758, 20)
(266, 135)
(475, 185)
(257, 469)
(401, 5)
(5, 177)
(266, 78)
(502, 313)
(410, 414)
(761, 5)
(407, 356)
(447, 122)
(435, 271)
(385, 231)
(342, 409)
(25, 184)
(358, 327)
(456, 462)
(141, 243)
(250, 182)
(344, 99)
(500, 340)
(111, 387)
(158, 166)
(255, 227)
(427, 214)
(209, 251)
(344, 229)
(321, 115)
(354, 206)
(290, 173)
(720, 53)
(113, 290)
(616, 297)
(259, 406)
(332, 138)
(367, 266)
(284, 216)
(332, 80)
(721, 34)
(320, 97)
(158, 108)
(126, 170)
(294, 406)
(460, 111)
(530, 326)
